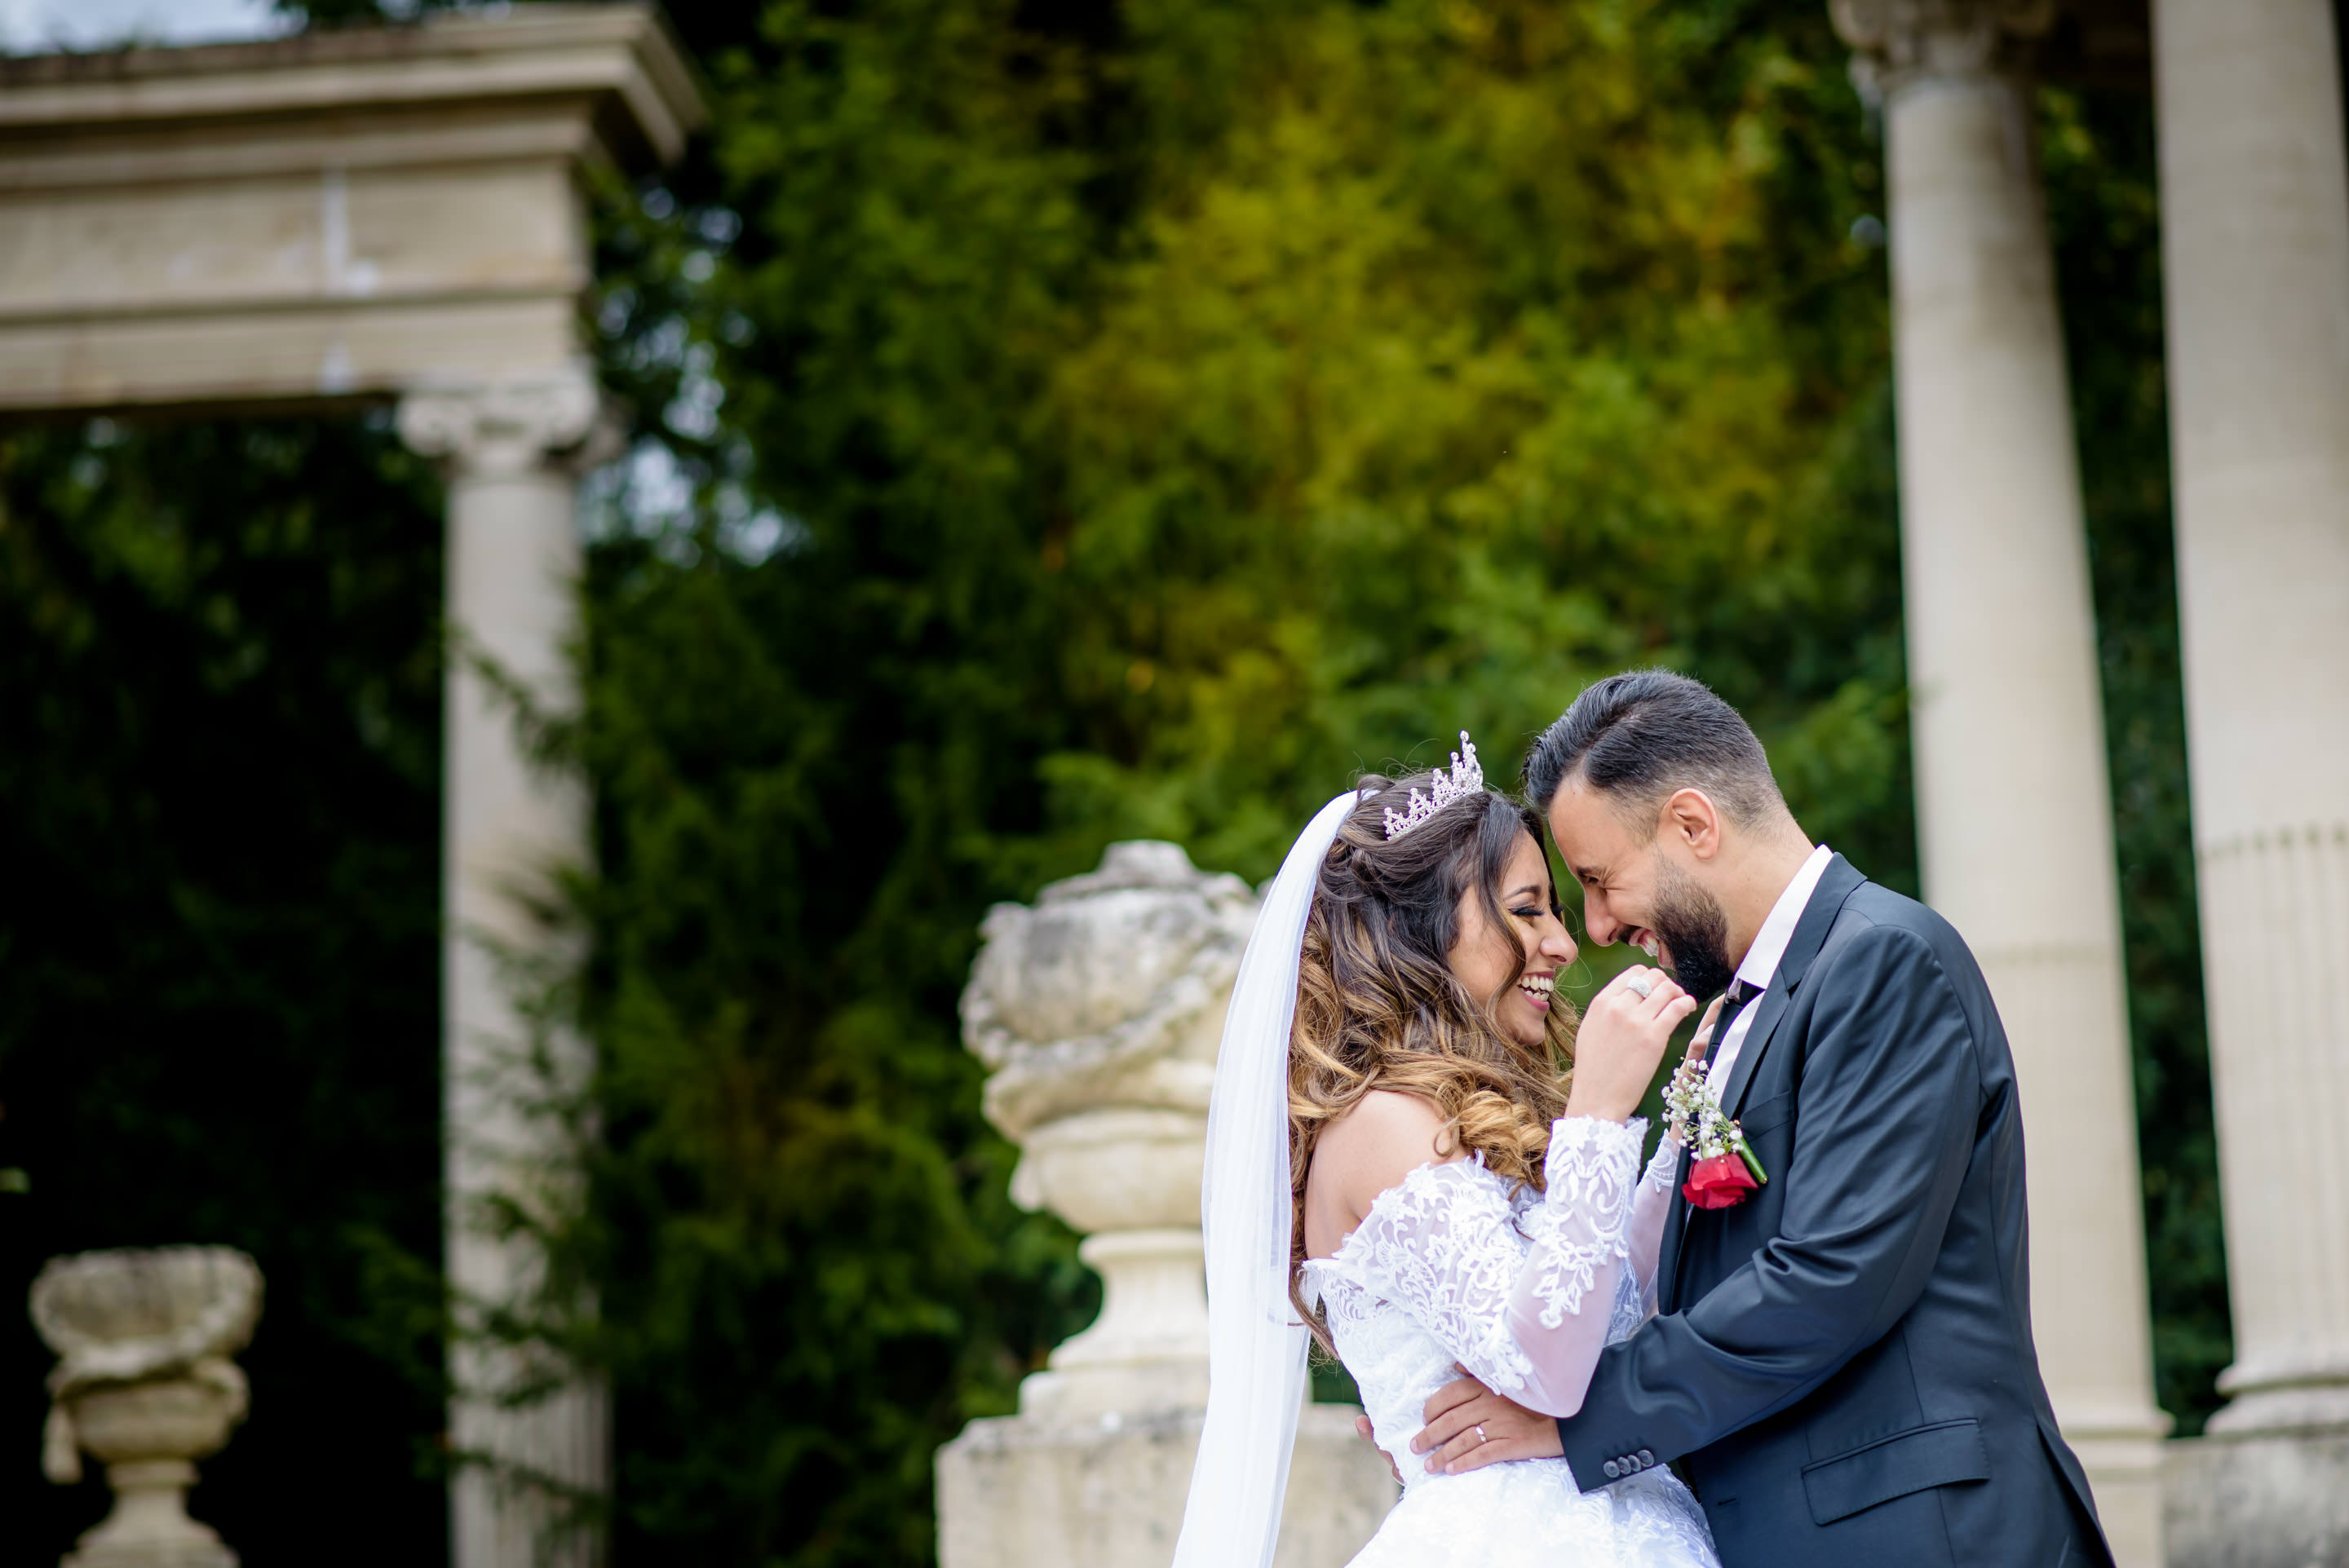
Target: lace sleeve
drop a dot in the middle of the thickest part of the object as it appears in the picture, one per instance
(1650, 1206)
(1508, 1299)
(1586, 1210)
(1442, 1246)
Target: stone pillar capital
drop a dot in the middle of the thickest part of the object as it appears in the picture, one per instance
(511, 424)
(1895, 41)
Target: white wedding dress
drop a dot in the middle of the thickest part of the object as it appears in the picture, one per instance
(1524, 1289)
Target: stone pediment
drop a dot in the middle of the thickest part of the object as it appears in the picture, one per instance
(333, 214)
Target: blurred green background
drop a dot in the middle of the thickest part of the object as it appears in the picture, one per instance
(1054, 422)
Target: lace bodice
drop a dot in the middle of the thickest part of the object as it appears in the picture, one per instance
(1523, 1288)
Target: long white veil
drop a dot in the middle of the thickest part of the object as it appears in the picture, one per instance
(1256, 1357)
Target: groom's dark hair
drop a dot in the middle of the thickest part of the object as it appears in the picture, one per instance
(1641, 735)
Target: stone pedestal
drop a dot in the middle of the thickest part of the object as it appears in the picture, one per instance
(1107, 1491)
(2258, 1500)
(2013, 801)
(1100, 1010)
(511, 447)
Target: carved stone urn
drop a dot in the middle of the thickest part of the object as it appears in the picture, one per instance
(144, 1383)
(1100, 1009)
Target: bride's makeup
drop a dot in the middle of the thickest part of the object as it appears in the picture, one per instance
(1531, 902)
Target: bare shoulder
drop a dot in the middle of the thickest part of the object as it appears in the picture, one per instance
(1383, 1139)
(1383, 1115)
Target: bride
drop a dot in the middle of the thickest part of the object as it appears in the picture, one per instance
(1397, 1168)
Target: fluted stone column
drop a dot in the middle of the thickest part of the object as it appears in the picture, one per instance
(2014, 802)
(2255, 241)
(510, 447)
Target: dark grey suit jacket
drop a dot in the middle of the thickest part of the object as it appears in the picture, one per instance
(1842, 1364)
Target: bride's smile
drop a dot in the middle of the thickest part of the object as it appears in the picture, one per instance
(1511, 965)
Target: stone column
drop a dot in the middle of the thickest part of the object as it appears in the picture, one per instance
(2013, 804)
(511, 448)
(2255, 244)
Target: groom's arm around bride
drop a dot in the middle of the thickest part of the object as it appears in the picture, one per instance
(1842, 1362)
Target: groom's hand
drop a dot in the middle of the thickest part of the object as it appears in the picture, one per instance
(1469, 1426)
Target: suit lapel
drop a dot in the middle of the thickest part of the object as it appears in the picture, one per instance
(1767, 1014)
(1836, 884)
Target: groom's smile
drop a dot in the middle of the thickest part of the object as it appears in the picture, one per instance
(1649, 892)
(1616, 869)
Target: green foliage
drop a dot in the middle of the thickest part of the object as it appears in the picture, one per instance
(805, 770)
(1455, 367)
(219, 933)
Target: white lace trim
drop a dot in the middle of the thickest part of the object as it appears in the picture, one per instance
(1586, 1210)
(1435, 1245)
(1530, 1513)
(1449, 1242)
(1663, 1165)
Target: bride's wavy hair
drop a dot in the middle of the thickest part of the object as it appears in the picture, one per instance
(1378, 1006)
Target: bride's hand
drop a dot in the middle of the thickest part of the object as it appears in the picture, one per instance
(1621, 1043)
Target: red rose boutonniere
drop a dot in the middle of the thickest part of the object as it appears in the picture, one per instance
(1718, 1182)
(1725, 1171)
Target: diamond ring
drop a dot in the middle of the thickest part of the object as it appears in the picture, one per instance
(1640, 985)
(1480, 1438)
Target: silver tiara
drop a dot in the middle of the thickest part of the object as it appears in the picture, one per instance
(1463, 779)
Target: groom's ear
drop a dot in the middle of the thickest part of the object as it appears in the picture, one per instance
(1691, 820)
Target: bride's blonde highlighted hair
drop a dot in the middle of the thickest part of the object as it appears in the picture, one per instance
(1378, 1006)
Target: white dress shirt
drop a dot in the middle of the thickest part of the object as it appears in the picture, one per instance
(1760, 965)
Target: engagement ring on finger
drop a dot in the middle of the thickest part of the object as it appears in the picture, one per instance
(1640, 985)
(1480, 1434)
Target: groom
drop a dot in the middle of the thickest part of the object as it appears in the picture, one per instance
(1841, 1363)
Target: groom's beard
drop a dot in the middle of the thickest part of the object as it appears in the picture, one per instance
(1694, 929)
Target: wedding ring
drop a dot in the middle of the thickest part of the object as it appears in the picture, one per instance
(1641, 984)
(1480, 1438)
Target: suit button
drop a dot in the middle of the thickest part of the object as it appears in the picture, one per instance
(1647, 1458)
(1611, 1468)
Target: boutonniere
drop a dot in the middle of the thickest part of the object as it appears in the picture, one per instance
(1725, 1170)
